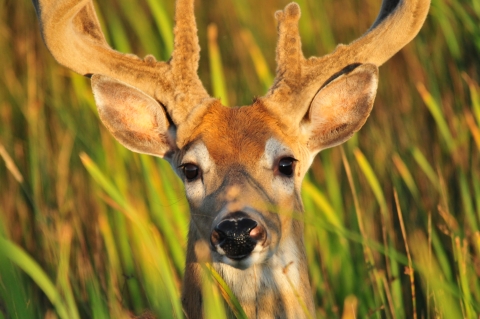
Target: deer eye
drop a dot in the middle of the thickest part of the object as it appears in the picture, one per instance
(190, 171)
(286, 166)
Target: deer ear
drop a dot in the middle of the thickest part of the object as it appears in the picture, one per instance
(135, 119)
(341, 107)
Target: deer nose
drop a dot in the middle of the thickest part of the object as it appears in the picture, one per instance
(237, 236)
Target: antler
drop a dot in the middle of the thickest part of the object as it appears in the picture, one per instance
(72, 33)
(298, 79)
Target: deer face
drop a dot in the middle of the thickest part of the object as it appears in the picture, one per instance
(242, 172)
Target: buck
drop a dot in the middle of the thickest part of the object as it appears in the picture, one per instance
(242, 167)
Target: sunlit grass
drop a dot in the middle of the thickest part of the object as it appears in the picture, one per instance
(90, 230)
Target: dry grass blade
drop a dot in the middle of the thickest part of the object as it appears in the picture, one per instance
(409, 270)
(10, 164)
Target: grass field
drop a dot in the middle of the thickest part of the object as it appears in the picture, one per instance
(89, 229)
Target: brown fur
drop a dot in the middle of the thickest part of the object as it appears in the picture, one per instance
(161, 108)
(238, 133)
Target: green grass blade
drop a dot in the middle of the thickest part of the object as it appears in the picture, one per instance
(15, 293)
(106, 185)
(164, 25)
(20, 258)
(426, 168)
(372, 180)
(437, 114)
(474, 96)
(406, 176)
(259, 61)
(227, 293)
(444, 301)
(216, 69)
(319, 200)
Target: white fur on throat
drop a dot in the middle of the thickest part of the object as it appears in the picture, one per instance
(280, 275)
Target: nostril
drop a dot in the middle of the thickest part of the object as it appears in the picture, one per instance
(217, 237)
(258, 233)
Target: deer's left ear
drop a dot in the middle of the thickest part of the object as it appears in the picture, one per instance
(341, 108)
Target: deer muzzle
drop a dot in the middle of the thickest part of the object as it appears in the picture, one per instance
(237, 235)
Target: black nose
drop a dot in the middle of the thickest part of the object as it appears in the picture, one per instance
(237, 235)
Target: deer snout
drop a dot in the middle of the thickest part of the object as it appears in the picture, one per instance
(237, 235)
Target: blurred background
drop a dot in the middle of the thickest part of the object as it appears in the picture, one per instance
(89, 229)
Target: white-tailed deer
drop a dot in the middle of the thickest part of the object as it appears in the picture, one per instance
(242, 167)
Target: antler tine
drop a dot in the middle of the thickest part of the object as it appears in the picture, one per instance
(298, 79)
(72, 33)
(186, 52)
(289, 46)
(184, 63)
(282, 96)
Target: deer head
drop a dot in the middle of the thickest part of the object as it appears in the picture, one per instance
(242, 167)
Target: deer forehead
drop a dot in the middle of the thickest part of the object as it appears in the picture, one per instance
(245, 135)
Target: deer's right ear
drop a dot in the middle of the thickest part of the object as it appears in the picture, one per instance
(135, 119)
(341, 107)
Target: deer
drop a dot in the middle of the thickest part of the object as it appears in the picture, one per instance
(242, 167)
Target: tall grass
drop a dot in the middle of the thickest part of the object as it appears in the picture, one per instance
(91, 230)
